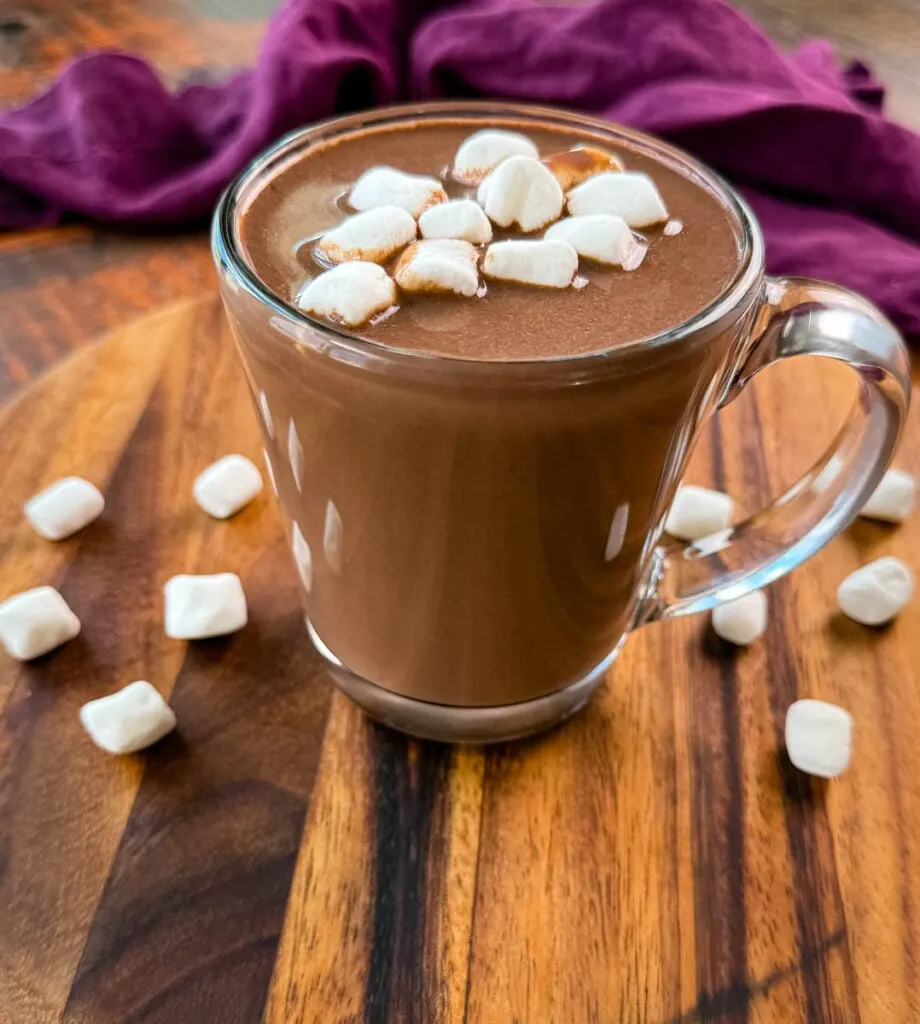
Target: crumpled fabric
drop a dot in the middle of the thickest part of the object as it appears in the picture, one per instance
(835, 185)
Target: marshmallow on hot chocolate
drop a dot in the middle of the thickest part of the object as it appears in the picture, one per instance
(438, 265)
(350, 293)
(458, 218)
(63, 508)
(548, 263)
(483, 151)
(127, 721)
(597, 236)
(627, 194)
(35, 622)
(521, 191)
(372, 236)
(385, 186)
(574, 166)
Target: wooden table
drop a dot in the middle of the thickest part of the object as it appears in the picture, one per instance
(656, 860)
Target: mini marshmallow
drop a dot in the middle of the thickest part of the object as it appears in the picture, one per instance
(521, 191)
(743, 620)
(35, 622)
(698, 512)
(874, 594)
(350, 293)
(372, 236)
(438, 265)
(630, 195)
(483, 151)
(63, 508)
(129, 720)
(458, 218)
(893, 499)
(385, 186)
(227, 485)
(819, 738)
(574, 166)
(597, 236)
(204, 606)
(550, 263)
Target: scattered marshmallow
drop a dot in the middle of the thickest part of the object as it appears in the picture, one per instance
(698, 512)
(893, 499)
(457, 218)
(549, 263)
(372, 236)
(63, 508)
(597, 236)
(711, 545)
(628, 194)
(227, 485)
(743, 620)
(874, 594)
(129, 720)
(574, 166)
(350, 293)
(303, 557)
(521, 191)
(483, 151)
(385, 186)
(35, 622)
(438, 265)
(204, 606)
(819, 738)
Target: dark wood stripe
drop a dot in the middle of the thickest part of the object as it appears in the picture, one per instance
(807, 827)
(410, 783)
(715, 1007)
(718, 821)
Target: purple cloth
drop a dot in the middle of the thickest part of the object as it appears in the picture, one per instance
(835, 185)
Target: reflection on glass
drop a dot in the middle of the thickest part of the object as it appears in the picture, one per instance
(617, 532)
(303, 557)
(271, 472)
(332, 538)
(295, 454)
(267, 414)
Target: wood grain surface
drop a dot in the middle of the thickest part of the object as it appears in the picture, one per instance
(281, 858)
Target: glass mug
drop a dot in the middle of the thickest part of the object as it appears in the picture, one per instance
(476, 539)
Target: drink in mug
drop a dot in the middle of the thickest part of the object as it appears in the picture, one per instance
(475, 477)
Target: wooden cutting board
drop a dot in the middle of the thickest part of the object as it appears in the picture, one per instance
(281, 858)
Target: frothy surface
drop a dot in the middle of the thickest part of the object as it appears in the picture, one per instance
(680, 274)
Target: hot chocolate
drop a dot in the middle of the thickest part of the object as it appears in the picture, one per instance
(473, 531)
(689, 258)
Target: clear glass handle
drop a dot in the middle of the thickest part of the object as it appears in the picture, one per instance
(799, 317)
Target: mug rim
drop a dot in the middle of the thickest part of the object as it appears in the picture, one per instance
(228, 255)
